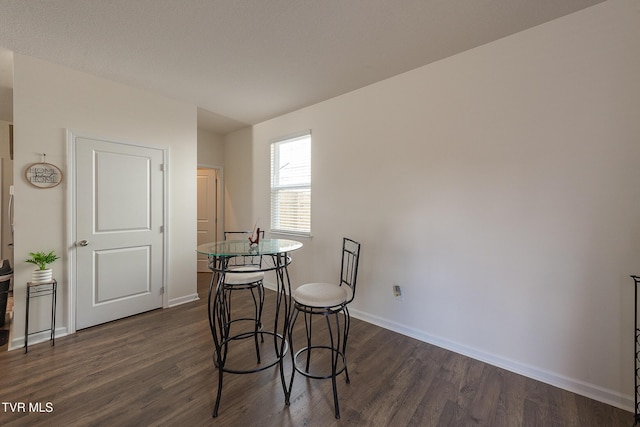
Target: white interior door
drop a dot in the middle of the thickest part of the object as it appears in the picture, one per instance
(207, 211)
(119, 203)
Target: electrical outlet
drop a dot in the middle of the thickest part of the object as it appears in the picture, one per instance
(397, 292)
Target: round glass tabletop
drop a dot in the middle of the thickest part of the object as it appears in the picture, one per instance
(244, 247)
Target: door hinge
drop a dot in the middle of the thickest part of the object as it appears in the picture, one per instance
(162, 167)
(162, 290)
(162, 228)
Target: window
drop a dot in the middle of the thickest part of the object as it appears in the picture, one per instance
(291, 184)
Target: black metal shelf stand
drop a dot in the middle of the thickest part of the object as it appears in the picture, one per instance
(41, 289)
(636, 353)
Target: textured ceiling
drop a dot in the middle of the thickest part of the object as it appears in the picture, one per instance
(245, 61)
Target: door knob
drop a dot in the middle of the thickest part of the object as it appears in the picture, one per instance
(83, 243)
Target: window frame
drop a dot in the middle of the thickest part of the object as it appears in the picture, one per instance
(277, 187)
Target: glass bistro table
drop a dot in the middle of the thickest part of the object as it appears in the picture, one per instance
(274, 256)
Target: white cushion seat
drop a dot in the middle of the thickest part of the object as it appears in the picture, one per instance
(322, 294)
(243, 276)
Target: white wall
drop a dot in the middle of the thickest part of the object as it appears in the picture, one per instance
(49, 99)
(211, 155)
(210, 148)
(238, 205)
(501, 189)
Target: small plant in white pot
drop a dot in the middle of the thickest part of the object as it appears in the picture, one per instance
(42, 260)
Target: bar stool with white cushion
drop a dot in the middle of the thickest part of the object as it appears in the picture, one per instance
(329, 300)
(241, 275)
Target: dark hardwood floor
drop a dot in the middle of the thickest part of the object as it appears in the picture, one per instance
(156, 369)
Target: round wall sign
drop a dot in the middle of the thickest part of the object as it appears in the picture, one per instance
(43, 175)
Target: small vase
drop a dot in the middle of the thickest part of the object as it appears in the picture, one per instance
(41, 276)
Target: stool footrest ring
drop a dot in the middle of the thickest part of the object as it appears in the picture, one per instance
(342, 363)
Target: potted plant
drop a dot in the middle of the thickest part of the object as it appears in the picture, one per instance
(42, 259)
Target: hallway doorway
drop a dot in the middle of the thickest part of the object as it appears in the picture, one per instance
(210, 209)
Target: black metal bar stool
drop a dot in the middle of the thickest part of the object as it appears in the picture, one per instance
(329, 300)
(242, 274)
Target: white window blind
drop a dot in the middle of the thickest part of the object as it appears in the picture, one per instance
(291, 184)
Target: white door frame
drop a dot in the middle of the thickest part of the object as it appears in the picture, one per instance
(71, 220)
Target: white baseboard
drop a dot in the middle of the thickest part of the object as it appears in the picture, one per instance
(18, 342)
(573, 385)
(183, 300)
(269, 285)
(38, 337)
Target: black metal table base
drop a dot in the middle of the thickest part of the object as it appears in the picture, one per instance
(221, 322)
(262, 366)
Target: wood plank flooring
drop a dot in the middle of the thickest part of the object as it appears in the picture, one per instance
(156, 369)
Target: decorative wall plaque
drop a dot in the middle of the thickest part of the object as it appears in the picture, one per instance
(43, 175)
